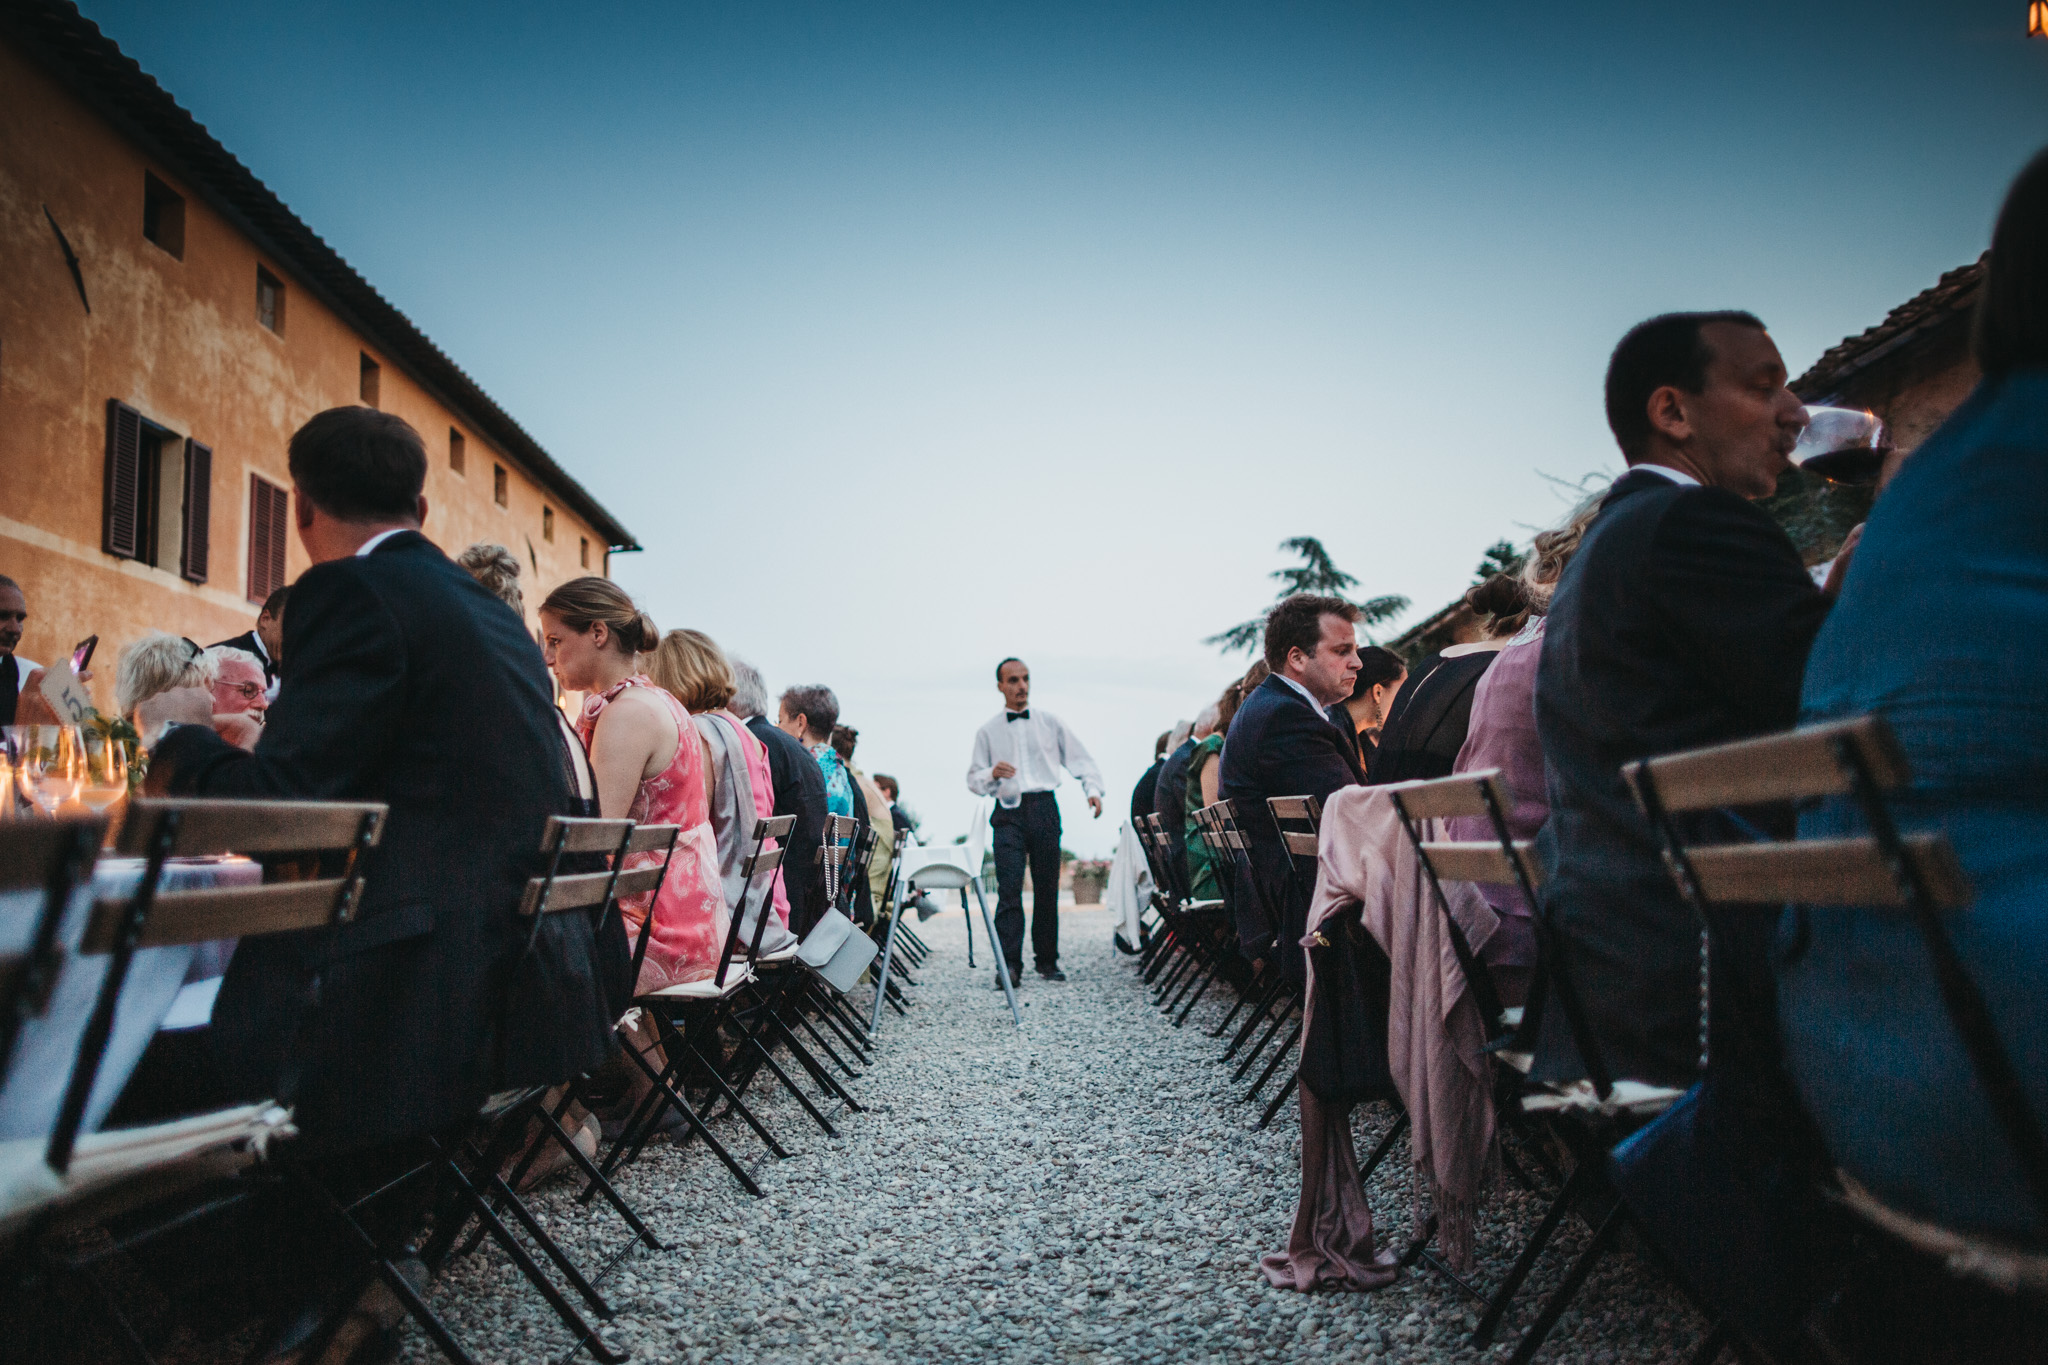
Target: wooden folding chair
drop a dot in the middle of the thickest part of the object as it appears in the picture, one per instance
(481, 1188)
(1220, 828)
(146, 1169)
(46, 859)
(1884, 870)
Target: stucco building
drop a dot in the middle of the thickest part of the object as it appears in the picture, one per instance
(166, 323)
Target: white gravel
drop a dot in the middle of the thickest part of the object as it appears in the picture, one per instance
(1088, 1189)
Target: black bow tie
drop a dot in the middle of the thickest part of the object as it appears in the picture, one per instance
(1025, 714)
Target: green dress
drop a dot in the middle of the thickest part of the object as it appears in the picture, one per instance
(1201, 862)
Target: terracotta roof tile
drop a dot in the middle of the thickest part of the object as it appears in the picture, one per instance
(1952, 296)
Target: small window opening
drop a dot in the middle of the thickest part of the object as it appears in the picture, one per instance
(500, 488)
(163, 215)
(584, 551)
(457, 450)
(547, 523)
(371, 373)
(269, 300)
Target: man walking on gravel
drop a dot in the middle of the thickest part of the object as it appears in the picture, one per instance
(1018, 755)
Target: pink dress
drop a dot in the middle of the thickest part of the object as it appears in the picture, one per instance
(764, 801)
(689, 906)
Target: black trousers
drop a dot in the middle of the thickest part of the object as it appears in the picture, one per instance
(1030, 833)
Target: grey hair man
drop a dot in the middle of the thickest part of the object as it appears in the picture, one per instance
(799, 791)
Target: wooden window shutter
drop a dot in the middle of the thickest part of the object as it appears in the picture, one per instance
(198, 511)
(121, 528)
(267, 531)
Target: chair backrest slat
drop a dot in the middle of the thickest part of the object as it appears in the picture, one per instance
(570, 891)
(1825, 872)
(1300, 842)
(582, 834)
(1444, 798)
(1488, 862)
(651, 838)
(1295, 808)
(29, 848)
(209, 827)
(774, 827)
(1793, 766)
(201, 916)
(767, 860)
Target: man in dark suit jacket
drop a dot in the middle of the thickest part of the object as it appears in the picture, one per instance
(409, 684)
(799, 791)
(1684, 620)
(266, 641)
(1281, 742)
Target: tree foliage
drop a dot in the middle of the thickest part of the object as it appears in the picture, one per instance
(1500, 557)
(1317, 573)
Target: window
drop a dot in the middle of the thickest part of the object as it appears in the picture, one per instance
(584, 552)
(269, 528)
(368, 386)
(158, 495)
(457, 451)
(500, 490)
(269, 300)
(547, 523)
(163, 215)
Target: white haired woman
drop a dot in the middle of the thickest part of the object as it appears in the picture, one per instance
(157, 668)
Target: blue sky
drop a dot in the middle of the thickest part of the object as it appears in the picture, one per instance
(909, 336)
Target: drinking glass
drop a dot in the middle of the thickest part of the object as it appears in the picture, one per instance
(49, 764)
(105, 771)
(1843, 445)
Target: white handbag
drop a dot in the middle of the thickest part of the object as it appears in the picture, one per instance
(837, 951)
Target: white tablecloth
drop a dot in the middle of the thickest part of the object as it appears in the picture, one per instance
(47, 1050)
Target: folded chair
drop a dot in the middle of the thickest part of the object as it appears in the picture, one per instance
(474, 1174)
(1219, 828)
(957, 867)
(150, 1173)
(688, 1018)
(1586, 1117)
(1883, 871)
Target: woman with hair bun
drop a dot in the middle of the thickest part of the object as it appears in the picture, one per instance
(649, 767)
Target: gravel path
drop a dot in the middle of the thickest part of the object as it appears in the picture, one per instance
(1088, 1189)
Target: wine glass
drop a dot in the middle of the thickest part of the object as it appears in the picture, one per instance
(1843, 445)
(104, 779)
(49, 764)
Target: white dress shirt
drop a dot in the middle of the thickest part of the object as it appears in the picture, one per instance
(1038, 745)
(374, 541)
(1677, 476)
(1309, 696)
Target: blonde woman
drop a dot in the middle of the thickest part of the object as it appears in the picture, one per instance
(689, 665)
(161, 663)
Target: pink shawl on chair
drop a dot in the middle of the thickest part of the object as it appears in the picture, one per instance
(1434, 1042)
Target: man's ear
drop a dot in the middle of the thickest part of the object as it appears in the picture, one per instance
(302, 508)
(1666, 410)
(420, 510)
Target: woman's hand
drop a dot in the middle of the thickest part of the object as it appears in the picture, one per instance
(239, 728)
(1840, 568)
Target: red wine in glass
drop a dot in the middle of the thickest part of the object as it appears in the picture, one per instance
(1843, 445)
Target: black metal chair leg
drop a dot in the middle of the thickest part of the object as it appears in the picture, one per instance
(1189, 1008)
(1553, 1309)
(1280, 1055)
(1504, 1295)
(1386, 1144)
(1279, 1098)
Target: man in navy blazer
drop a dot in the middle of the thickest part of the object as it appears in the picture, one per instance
(406, 682)
(1282, 742)
(1684, 620)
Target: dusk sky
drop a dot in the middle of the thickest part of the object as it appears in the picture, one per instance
(906, 337)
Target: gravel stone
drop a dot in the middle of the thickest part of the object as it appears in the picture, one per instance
(1090, 1189)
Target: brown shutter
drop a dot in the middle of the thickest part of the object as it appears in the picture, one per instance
(122, 524)
(198, 511)
(267, 506)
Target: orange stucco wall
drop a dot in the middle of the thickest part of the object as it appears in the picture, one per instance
(180, 341)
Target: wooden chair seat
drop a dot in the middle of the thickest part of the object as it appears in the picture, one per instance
(1637, 1098)
(1971, 1256)
(707, 989)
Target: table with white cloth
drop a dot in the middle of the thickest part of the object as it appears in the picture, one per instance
(166, 988)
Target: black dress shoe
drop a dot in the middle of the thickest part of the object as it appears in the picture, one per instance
(1054, 975)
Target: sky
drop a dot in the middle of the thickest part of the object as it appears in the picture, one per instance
(909, 336)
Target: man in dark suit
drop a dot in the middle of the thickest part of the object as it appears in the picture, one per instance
(266, 641)
(1282, 742)
(1684, 620)
(799, 791)
(411, 685)
(1143, 794)
(1170, 794)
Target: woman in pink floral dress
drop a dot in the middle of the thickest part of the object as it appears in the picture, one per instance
(649, 766)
